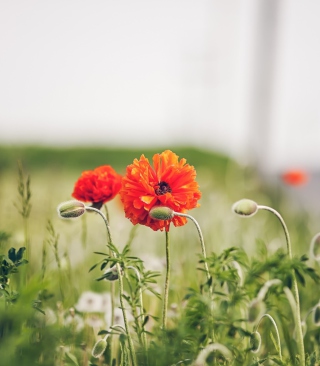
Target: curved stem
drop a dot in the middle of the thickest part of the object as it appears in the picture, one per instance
(166, 285)
(203, 248)
(295, 285)
(275, 327)
(204, 254)
(130, 342)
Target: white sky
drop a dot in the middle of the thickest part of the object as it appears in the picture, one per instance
(114, 71)
(148, 72)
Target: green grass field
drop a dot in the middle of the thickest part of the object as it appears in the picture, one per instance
(40, 323)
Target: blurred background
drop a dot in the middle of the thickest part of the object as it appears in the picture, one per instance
(240, 78)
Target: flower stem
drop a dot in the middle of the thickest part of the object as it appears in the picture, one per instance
(276, 329)
(166, 285)
(144, 336)
(203, 248)
(295, 285)
(130, 342)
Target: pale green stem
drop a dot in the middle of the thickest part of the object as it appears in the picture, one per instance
(204, 254)
(166, 285)
(295, 285)
(203, 248)
(130, 342)
(112, 290)
(144, 336)
(276, 329)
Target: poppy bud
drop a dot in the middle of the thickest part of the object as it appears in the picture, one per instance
(304, 327)
(161, 213)
(255, 309)
(255, 342)
(111, 274)
(245, 207)
(71, 209)
(316, 315)
(315, 247)
(99, 348)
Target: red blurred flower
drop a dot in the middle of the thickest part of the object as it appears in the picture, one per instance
(295, 177)
(169, 183)
(97, 186)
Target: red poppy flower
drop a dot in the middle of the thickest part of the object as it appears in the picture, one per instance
(295, 177)
(169, 183)
(97, 186)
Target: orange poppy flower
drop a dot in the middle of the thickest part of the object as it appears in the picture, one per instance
(170, 183)
(295, 177)
(97, 186)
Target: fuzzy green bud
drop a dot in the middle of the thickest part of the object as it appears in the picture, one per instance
(315, 247)
(255, 309)
(255, 342)
(245, 207)
(316, 315)
(161, 213)
(71, 209)
(111, 274)
(99, 348)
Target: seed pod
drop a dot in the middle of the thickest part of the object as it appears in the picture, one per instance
(245, 207)
(315, 247)
(111, 274)
(316, 315)
(71, 209)
(161, 213)
(255, 342)
(99, 348)
(255, 309)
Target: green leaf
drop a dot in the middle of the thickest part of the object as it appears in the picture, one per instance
(146, 319)
(300, 277)
(72, 358)
(93, 267)
(20, 252)
(12, 254)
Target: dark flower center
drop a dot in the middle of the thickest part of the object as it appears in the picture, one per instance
(162, 188)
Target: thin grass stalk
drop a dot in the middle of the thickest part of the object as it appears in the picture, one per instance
(130, 342)
(295, 285)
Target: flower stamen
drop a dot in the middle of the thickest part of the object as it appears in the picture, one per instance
(162, 188)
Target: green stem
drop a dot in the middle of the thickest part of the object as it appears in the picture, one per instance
(166, 285)
(295, 285)
(275, 327)
(203, 248)
(204, 254)
(121, 292)
(144, 336)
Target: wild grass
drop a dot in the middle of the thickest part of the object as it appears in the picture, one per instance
(54, 310)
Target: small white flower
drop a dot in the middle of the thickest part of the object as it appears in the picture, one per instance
(75, 321)
(118, 317)
(93, 302)
(48, 318)
(153, 263)
(94, 321)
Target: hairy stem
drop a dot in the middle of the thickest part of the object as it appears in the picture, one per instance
(121, 292)
(295, 285)
(166, 285)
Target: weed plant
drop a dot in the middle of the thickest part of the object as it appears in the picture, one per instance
(99, 291)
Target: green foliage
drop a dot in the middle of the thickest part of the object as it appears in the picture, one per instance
(8, 266)
(208, 322)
